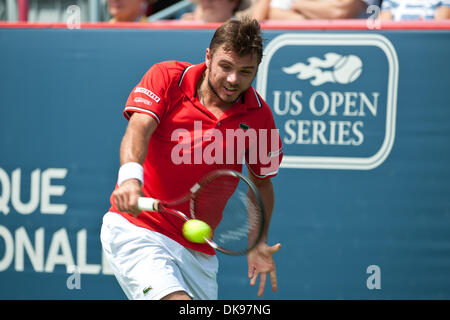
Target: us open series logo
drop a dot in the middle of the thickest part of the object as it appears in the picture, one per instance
(334, 98)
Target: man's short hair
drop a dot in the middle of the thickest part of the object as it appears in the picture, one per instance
(240, 36)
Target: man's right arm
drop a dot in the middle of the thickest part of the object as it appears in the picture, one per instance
(134, 149)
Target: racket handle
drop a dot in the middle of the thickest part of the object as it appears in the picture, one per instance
(148, 204)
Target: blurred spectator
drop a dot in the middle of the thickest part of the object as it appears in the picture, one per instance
(158, 5)
(320, 9)
(127, 10)
(212, 10)
(223, 10)
(255, 9)
(415, 10)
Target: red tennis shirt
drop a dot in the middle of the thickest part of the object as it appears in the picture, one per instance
(190, 141)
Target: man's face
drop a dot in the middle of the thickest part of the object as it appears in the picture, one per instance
(125, 9)
(228, 74)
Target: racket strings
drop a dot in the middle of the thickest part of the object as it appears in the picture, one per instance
(228, 200)
(212, 198)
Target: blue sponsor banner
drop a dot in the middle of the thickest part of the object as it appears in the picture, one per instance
(362, 208)
(335, 95)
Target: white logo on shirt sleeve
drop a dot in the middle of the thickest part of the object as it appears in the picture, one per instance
(148, 93)
(142, 100)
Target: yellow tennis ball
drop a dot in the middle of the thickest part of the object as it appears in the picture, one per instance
(196, 231)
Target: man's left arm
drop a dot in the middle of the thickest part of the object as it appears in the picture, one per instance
(260, 260)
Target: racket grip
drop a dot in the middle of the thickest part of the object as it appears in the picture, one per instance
(148, 204)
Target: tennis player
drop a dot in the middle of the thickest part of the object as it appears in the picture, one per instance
(146, 250)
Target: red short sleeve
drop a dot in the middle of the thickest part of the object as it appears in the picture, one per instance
(149, 96)
(269, 150)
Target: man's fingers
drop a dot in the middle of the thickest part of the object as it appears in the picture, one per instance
(120, 200)
(273, 280)
(262, 284)
(127, 202)
(133, 205)
(263, 280)
(251, 271)
(275, 248)
(127, 195)
(253, 279)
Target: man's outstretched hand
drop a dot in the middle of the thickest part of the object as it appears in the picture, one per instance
(260, 262)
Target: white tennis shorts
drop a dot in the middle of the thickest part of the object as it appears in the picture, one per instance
(149, 265)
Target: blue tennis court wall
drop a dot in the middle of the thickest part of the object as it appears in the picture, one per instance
(362, 199)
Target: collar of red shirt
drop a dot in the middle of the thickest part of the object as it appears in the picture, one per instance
(188, 83)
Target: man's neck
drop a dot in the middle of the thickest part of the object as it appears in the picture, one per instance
(209, 98)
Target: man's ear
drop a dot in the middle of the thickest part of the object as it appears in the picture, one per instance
(208, 57)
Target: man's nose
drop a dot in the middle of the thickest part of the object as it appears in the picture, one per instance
(233, 78)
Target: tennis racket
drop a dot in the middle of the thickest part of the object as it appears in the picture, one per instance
(228, 202)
